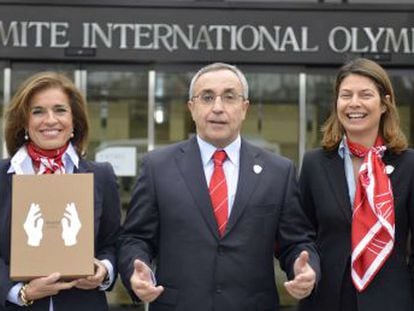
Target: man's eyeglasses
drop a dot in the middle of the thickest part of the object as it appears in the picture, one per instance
(228, 98)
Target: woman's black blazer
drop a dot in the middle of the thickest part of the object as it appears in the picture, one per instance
(327, 204)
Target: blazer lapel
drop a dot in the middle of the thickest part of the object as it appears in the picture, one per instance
(83, 167)
(190, 165)
(337, 180)
(247, 182)
(391, 159)
(6, 190)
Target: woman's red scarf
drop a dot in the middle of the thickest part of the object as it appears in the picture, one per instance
(373, 220)
(47, 161)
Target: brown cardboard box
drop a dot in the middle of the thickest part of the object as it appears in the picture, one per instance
(52, 226)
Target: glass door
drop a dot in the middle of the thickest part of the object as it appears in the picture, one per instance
(3, 72)
(272, 123)
(170, 116)
(22, 71)
(273, 118)
(319, 100)
(117, 98)
(118, 107)
(403, 83)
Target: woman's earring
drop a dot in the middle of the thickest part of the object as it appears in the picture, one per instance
(72, 134)
(26, 136)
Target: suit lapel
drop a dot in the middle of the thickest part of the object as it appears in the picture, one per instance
(247, 182)
(83, 167)
(337, 180)
(190, 165)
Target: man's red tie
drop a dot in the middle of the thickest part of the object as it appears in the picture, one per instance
(218, 191)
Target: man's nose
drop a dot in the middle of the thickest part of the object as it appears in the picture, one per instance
(218, 103)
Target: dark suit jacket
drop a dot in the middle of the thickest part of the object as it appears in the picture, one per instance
(171, 219)
(326, 200)
(107, 225)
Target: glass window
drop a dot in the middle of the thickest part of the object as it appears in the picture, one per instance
(319, 98)
(272, 120)
(22, 71)
(172, 120)
(403, 83)
(381, 1)
(117, 106)
(290, 1)
(118, 110)
(2, 110)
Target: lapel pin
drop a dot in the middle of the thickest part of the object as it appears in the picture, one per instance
(257, 169)
(389, 169)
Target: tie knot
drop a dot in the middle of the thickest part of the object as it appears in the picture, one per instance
(219, 157)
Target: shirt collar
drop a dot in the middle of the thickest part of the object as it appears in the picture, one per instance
(71, 156)
(21, 163)
(343, 148)
(232, 150)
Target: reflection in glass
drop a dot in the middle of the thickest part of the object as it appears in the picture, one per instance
(171, 116)
(403, 83)
(117, 107)
(319, 101)
(1, 115)
(272, 123)
(21, 74)
(272, 120)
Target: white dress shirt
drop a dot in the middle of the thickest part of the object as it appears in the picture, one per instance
(230, 166)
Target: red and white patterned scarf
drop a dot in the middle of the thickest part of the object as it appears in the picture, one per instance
(373, 221)
(47, 161)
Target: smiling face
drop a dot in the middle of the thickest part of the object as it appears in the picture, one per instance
(359, 108)
(218, 123)
(50, 122)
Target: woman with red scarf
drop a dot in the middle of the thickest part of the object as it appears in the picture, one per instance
(358, 191)
(46, 132)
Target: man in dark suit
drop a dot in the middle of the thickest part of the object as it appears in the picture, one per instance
(213, 223)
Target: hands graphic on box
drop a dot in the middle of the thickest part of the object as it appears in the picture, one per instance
(33, 225)
(70, 225)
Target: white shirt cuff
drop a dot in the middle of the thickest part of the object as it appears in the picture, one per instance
(13, 295)
(106, 284)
